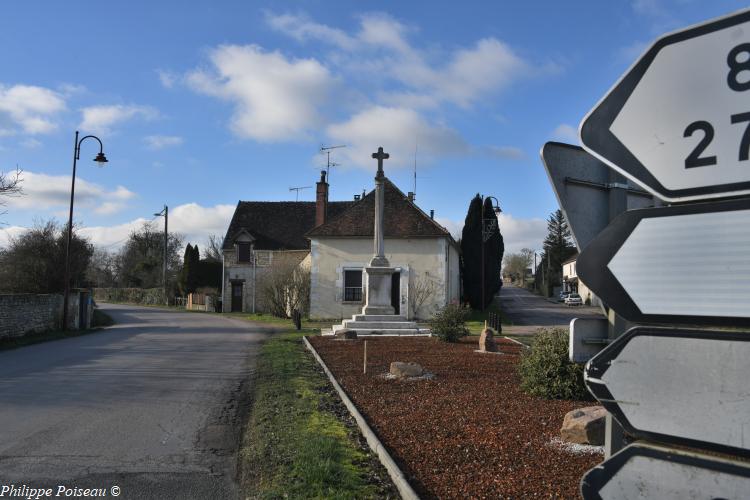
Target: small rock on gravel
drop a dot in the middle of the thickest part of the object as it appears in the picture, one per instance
(584, 426)
(346, 334)
(487, 341)
(401, 370)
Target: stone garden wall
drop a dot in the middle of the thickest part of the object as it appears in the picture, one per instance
(26, 313)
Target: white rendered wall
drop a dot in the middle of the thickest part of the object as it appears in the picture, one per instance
(417, 256)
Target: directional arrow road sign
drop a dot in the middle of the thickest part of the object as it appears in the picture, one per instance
(581, 184)
(679, 386)
(688, 264)
(649, 471)
(678, 122)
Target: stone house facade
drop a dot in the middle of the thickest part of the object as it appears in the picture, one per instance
(334, 240)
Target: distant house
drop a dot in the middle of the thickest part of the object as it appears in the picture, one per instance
(571, 283)
(335, 240)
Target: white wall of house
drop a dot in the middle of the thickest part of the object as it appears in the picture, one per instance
(570, 274)
(418, 258)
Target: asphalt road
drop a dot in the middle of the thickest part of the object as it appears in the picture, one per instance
(529, 312)
(151, 405)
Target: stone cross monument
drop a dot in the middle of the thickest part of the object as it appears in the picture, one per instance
(378, 300)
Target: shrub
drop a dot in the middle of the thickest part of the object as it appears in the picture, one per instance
(448, 324)
(547, 372)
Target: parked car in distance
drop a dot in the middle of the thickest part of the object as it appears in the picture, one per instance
(573, 300)
(563, 296)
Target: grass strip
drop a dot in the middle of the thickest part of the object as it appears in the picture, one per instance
(475, 322)
(296, 443)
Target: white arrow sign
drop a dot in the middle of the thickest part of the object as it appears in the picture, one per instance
(648, 471)
(688, 263)
(677, 386)
(678, 121)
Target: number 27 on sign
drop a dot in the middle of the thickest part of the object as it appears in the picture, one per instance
(738, 61)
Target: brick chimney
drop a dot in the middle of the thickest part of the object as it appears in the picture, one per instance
(321, 200)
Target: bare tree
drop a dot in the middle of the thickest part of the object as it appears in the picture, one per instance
(285, 287)
(516, 264)
(212, 249)
(422, 288)
(10, 185)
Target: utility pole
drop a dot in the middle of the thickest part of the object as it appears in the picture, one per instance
(165, 213)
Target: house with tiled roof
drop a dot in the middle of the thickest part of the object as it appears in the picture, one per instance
(334, 240)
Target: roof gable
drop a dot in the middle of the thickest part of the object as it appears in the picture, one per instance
(401, 219)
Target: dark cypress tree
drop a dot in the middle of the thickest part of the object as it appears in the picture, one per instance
(187, 261)
(558, 247)
(471, 254)
(193, 275)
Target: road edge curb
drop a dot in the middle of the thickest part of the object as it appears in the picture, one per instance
(397, 476)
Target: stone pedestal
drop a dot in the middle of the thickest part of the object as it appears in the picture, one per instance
(378, 299)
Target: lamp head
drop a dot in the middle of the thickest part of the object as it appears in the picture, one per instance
(100, 159)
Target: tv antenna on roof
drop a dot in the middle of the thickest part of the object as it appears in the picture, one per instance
(329, 163)
(298, 189)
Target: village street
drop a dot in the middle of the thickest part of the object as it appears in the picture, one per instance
(151, 405)
(529, 312)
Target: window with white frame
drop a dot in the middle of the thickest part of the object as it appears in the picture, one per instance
(353, 285)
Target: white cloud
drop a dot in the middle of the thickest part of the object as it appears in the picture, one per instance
(101, 119)
(398, 130)
(52, 192)
(195, 222)
(162, 141)
(167, 78)
(112, 237)
(275, 98)
(7, 233)
(517, 233)
(381, 49)
(301, 28)
(31, 108)
(565, 133)
(506, 152)
(31, 143)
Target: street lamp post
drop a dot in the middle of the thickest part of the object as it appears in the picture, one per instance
(488, 227)
(101, 160)
(165, 214)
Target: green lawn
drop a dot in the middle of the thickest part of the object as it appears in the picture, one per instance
(475, 322)
(295, 445)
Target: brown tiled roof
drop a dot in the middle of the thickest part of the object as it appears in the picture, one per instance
(401, 219)
(278, 225)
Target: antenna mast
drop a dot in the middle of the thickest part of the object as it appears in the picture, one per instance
(415, 167)
(329, 163)
(298, 189)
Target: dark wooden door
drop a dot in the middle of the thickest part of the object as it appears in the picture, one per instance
(396, 292)
(236, 297)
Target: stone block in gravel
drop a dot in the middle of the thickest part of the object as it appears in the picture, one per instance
(402, 370)
(346, 334)
(487, 341)
(584, 426)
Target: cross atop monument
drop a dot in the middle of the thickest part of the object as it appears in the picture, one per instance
(380, 156)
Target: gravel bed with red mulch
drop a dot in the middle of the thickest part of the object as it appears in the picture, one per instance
(467, 432)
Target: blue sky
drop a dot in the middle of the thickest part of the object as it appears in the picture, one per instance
(202, 104)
